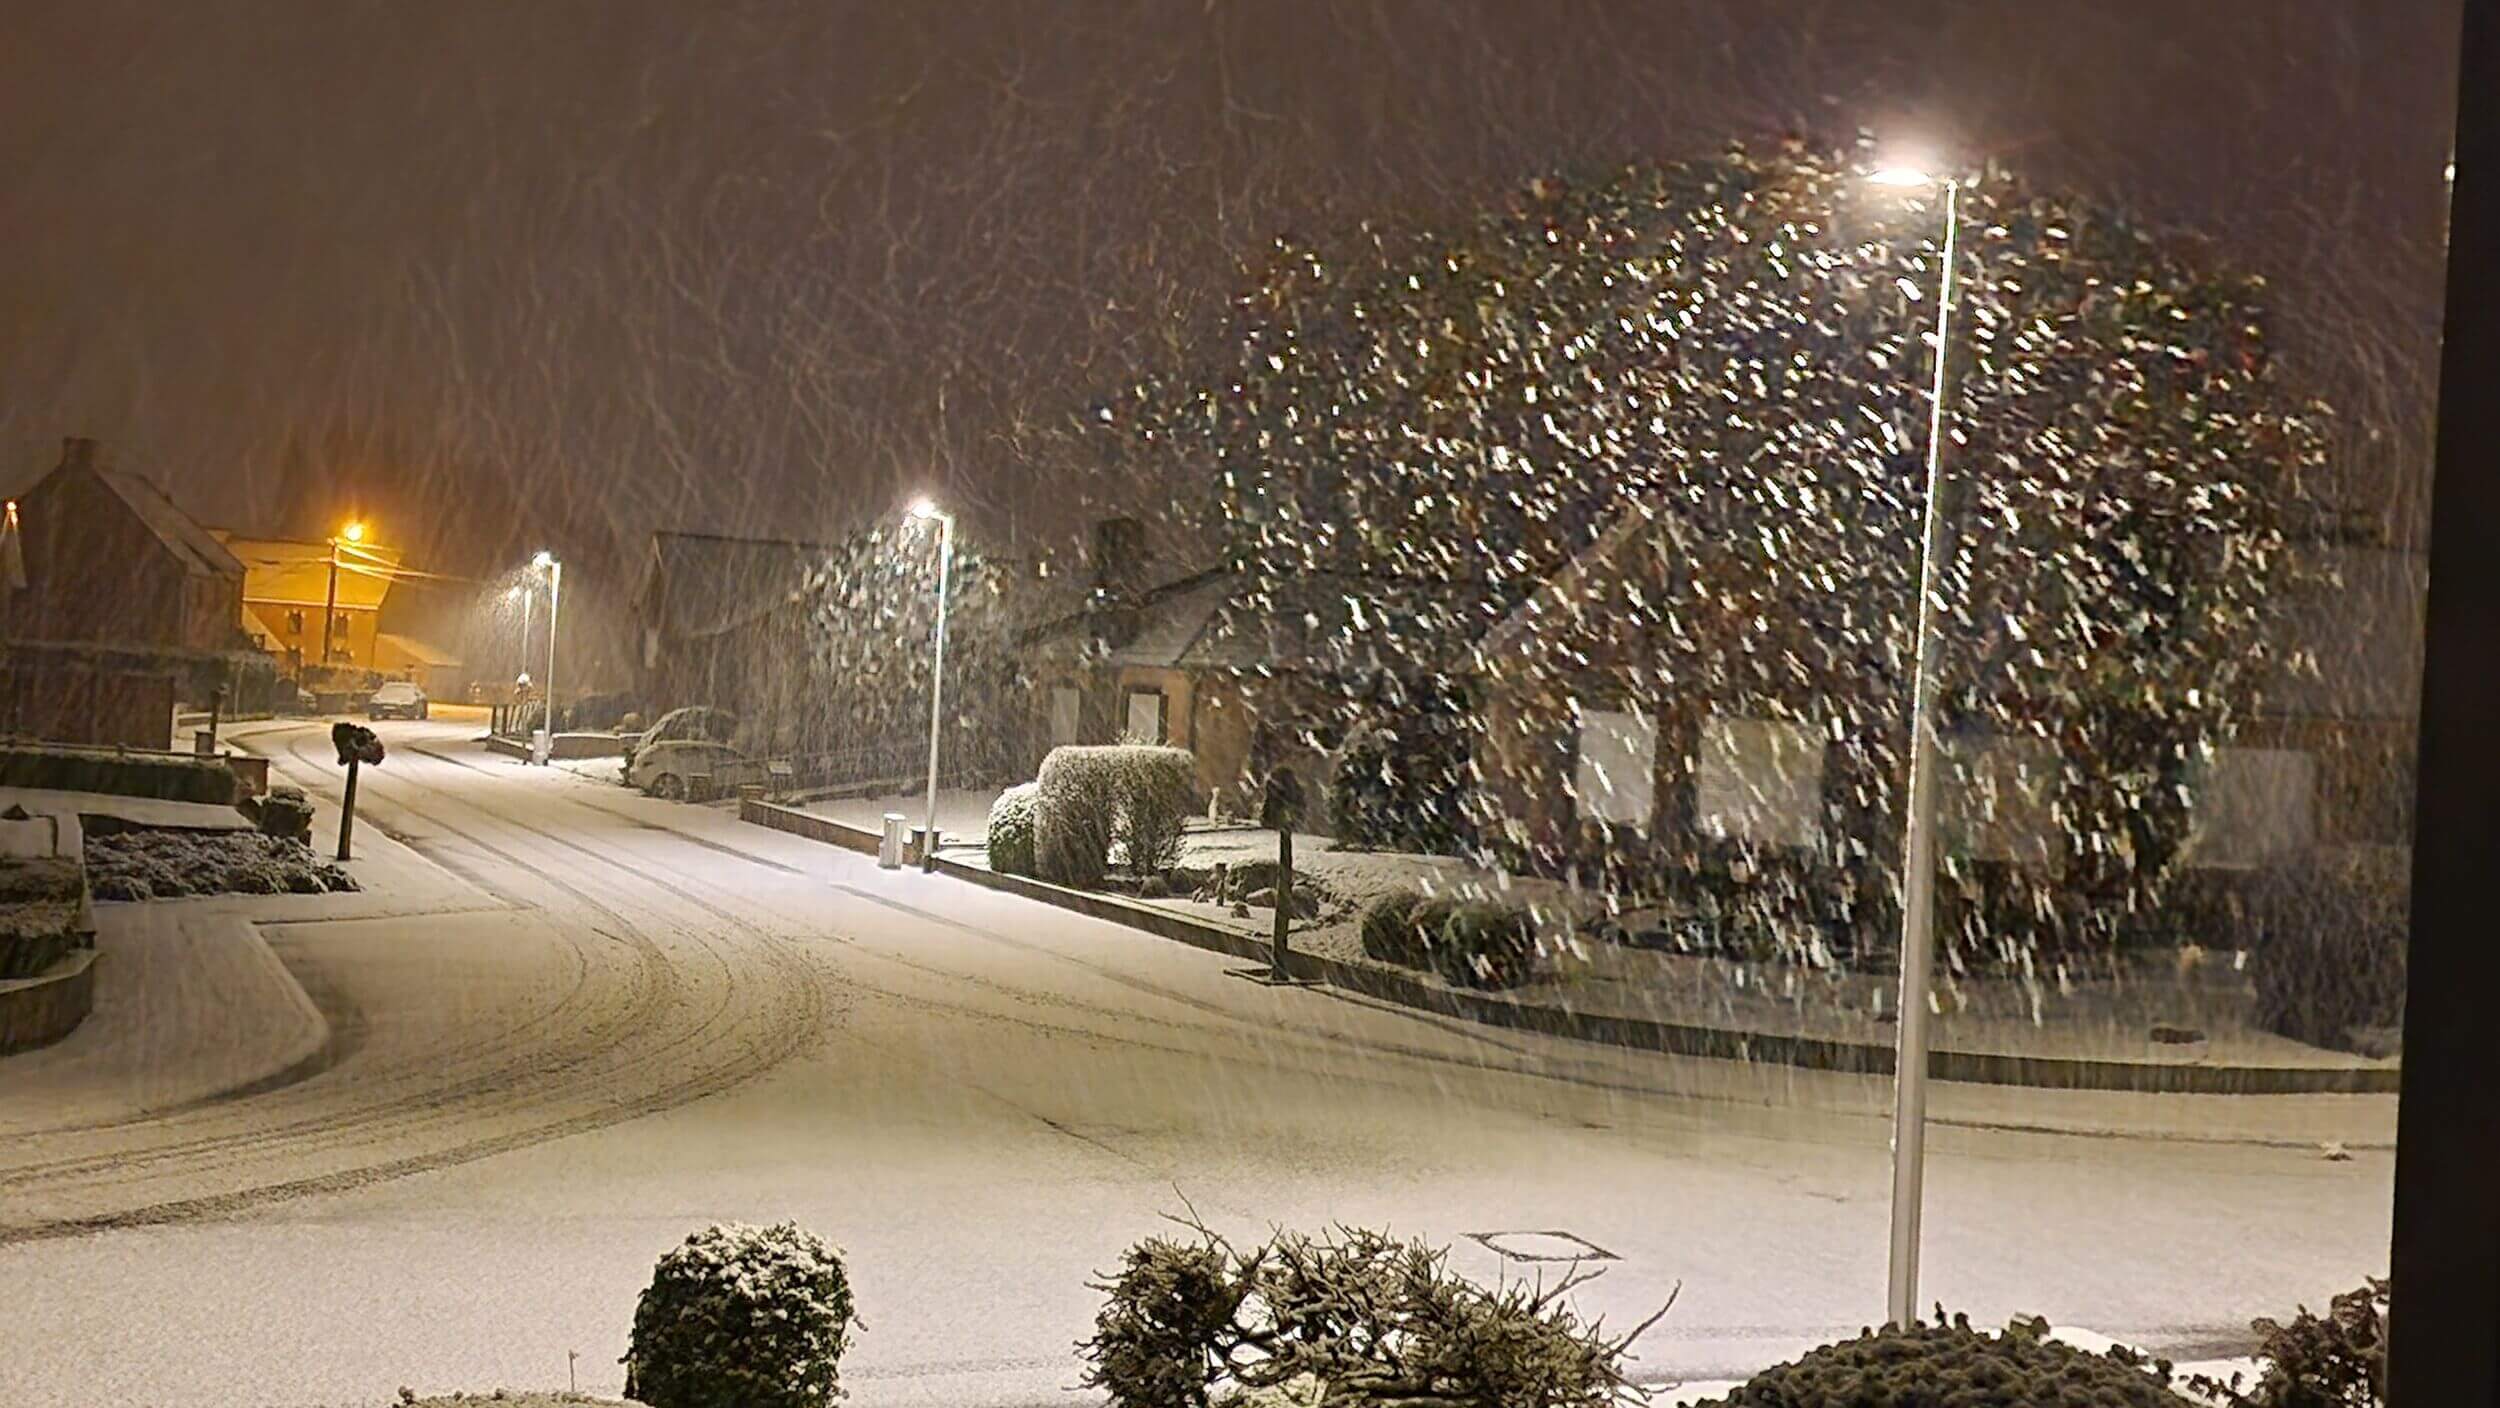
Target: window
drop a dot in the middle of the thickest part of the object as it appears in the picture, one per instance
(295, 622)
(1145, 717)
(1615, 779)
(1760, 780)
(1065, 711)
(338, 623)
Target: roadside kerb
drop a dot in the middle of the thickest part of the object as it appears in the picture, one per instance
(1636, 1033)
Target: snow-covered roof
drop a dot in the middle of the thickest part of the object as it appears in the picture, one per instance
(194, 546)
(702, 584)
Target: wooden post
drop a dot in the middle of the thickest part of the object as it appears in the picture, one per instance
(347, 811)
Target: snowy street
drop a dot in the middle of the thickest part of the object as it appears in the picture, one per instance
(601, 1021)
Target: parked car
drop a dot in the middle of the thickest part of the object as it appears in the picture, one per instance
(398, 699)
(686, 744)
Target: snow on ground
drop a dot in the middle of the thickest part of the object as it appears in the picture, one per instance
(963, 813)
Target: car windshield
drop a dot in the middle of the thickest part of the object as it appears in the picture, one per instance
(714, 725)
(398, 693)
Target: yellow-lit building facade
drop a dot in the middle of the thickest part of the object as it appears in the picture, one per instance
(287, 587)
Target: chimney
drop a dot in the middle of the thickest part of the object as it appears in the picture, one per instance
(78, 452)
(1119, 554)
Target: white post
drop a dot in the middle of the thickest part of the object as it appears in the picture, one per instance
(529, 598)
(555, 604)
(937, 685)
(1918, 858)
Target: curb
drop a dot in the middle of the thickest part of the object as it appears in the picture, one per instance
(38, 1011)
(1635, 1033)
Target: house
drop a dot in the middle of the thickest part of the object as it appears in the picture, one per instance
(119, 607)
(288, 584)
(722, 617)
(1246, 670)
(1596, 736)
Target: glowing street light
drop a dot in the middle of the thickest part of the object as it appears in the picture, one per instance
(923, 511)
(1918, 851)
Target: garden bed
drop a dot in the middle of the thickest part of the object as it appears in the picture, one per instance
(154, 863)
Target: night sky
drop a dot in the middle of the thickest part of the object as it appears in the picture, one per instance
(502, 274)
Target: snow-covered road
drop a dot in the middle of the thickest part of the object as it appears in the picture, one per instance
(634, 1017)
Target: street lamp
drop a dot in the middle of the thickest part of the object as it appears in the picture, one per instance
(546, 562)
(923, 511)
(521, 593)
(1918, 851)
(354, 532)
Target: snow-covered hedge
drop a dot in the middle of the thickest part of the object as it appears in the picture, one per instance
(1090, 797)
(742, 1317)
(65, 768)
(1011, 829)
(153, 863)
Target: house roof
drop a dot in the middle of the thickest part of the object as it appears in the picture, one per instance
(1225, 618)
(288, 572)
(415, 651)
(701, 584)
(194, 546)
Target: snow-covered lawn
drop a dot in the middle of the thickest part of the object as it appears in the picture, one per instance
(963, 813)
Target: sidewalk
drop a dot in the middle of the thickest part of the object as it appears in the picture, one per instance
(190, 1003)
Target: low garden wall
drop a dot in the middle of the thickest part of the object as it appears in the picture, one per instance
(43, 1009)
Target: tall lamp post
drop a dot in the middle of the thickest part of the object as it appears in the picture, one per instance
(528, 598)
(353, 533)
(546, 562)
(924, 511)
(1918, 851)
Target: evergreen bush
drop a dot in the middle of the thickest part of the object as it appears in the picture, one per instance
(1010, 833)
(1389, 929)
(1487, 944)
(1950, 1365)
(741, 1317)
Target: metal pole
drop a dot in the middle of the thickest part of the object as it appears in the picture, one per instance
(330, 609)
(555, 604)
(529, 598)
(937, 686)
(1918, 852)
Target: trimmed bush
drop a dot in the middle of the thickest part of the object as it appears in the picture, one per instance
(1011, 830)
(1089, 797)
(2330, 965)
(1156, 788)
(1487, 944)
(741, 1317)
(1389, 929)
(1350, 1319)
(68, 768)
(1929, 1366)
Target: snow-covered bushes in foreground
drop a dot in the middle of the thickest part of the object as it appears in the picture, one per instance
(1089, 797)
(1949, 1362)
(1010, 833)
(741, 1317)
(1351, 1318)
(168, 864)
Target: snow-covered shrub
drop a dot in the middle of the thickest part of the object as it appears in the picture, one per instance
(1074, 808)
(1487, 944)
(1350, 1319)
(1949, 1362)
(1157, 788)
(741, 1317)
(1011, 829)
(1389, 929)
(1091, 796)
(2330, 965)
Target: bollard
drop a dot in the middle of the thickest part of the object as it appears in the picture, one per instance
(347, 811)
